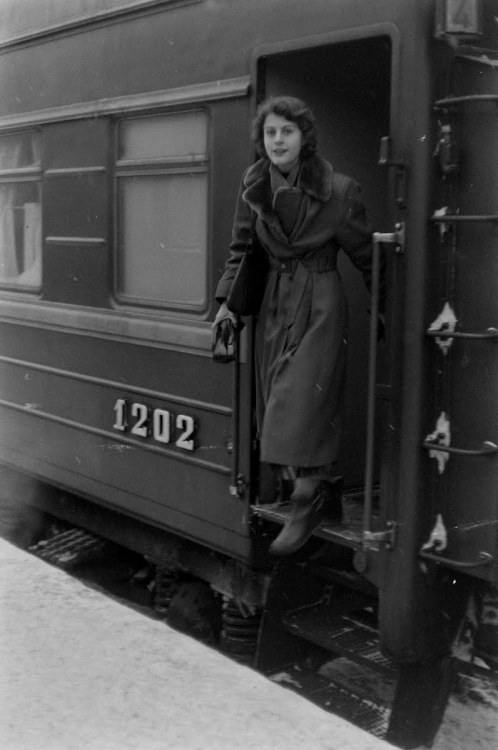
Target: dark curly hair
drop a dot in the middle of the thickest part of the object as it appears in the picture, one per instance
(291, 109)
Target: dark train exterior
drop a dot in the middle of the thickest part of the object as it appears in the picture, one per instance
(124, 129)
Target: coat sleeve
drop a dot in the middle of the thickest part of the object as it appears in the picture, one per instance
(241, 234)
(355, 237)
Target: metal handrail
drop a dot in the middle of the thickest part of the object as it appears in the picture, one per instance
(447, 218)
(488, 449)
(397, 240)
(372, 372)
(484, 559)
(490, 333)
(470, 99)
(235, 483)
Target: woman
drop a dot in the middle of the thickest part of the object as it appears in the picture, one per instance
(302, 213)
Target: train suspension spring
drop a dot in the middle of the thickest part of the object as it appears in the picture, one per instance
(239, 632)
(166, 581)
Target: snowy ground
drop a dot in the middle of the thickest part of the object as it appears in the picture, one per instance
(81, 671)
(471, 718)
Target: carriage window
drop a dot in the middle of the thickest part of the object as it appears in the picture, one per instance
(20, 210)
(162, 189)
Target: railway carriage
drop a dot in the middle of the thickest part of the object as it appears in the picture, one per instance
(124, 129)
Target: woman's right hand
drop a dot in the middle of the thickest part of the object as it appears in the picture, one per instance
(224, 313)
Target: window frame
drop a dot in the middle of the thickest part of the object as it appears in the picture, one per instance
(157, 167)
(16, 176)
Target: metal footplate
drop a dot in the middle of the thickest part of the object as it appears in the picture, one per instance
(346, 635)
(70, 548)
(366, 714)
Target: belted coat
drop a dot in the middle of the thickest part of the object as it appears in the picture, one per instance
(301, 330)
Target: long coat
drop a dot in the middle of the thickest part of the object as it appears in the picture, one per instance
(301, 333)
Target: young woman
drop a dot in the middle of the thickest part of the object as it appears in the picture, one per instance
(303, 213)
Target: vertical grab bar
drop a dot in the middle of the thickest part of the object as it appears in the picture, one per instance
(379, 238)
(372, 372)
(235, 480)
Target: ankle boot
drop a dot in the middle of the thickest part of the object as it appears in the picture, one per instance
(308, 501)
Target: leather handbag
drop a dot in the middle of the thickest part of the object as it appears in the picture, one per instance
(246, 293)
(224, 341)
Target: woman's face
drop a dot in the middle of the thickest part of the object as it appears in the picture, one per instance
(283, 141)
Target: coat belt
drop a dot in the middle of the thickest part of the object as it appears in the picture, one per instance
(318, 262)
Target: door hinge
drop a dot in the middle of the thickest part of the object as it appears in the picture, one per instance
(385, 160)
(396, 238)
(238, 489)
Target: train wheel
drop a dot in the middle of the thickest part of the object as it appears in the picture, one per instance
(19, 523)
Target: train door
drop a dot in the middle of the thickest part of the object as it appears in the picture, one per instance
(348, 86)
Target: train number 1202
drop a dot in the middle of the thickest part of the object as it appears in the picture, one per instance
(162, 425)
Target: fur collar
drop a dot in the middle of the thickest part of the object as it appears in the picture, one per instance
(315, 179)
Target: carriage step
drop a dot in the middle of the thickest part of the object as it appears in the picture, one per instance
(70, 548)
(348, 578)
(348, 533)
(327, 530)
(335, 698)
(348, 635)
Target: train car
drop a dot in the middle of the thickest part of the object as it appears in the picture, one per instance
(124, 129)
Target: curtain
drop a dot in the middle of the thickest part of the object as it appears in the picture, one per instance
(20, 212)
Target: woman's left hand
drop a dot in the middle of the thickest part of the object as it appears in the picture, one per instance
(224, 313)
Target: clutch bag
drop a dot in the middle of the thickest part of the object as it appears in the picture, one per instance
(223, 343)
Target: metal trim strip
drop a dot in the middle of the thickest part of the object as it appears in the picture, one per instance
(150, 393)
(191, 336)
(97, 18)
(69, 171)
(174, 161)
(184, 458)
(120, 105)
(75, 240)
(21, 172)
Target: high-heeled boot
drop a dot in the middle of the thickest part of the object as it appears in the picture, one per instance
(312, 499)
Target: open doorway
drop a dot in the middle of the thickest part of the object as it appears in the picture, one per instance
(348, 86)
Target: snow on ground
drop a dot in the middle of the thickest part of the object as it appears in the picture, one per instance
(471, 718)
(80, 671)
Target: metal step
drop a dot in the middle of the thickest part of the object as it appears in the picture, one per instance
(70, 548)
(348, 533)
(335, 698)
(350, 579)
(347, 635)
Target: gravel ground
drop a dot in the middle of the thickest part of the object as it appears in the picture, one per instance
(82, 671)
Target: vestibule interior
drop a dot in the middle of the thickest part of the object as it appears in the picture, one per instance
(348, 86)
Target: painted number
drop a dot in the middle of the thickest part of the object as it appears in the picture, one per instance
(120, 409)
(141, 413)
(162, 426)
(160, 423)
(187, 425)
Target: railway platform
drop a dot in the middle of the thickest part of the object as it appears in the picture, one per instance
(82, 670)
